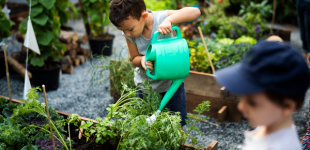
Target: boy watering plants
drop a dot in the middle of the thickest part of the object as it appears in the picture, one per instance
(138, 26)
(272, 80)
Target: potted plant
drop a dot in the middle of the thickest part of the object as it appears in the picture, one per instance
(45, 68)
(96, 18)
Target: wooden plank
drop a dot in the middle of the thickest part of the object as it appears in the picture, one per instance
(204, 84)
(233, 113)
(59, 112)
(213, 146)
(222, 114)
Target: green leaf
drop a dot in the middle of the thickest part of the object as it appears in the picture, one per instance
(95, 18)
(40, 19)
(5, 25)
(36, 10)
(37, 61)
(45, 54)
(92, 1)
(7, 112)
(33, 2)
(45, 38)
(48, 4)
(62, 5)
(29, 147)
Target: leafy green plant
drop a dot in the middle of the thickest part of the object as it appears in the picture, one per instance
(98, 16)
(245, 39)
(261, 10)
(32, 105)
(221, 52)
(12, 135)
(46, 25)
(233, 27)
(65, 10)
(126, 125)
(204, 106)
(5, 24)
(284, 11)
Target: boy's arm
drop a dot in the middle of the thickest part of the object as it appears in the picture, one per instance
(136, 58)
(177, 16)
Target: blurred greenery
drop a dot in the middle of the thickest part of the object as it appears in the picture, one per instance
(285, 10)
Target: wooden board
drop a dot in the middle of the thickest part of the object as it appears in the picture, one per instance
(204, 84)
(232, 115)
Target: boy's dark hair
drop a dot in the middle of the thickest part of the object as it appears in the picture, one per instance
(120, 10)
(279, 99)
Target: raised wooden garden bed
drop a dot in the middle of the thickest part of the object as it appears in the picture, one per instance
(82, 144)
(201, 87)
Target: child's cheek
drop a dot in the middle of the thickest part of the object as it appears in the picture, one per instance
(267, 117)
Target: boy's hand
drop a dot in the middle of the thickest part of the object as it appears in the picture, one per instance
(165, 27)
(149, 64)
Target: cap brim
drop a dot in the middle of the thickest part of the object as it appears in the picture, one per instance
(235, 81)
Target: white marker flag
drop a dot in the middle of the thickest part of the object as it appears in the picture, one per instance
(30, 39)
(27, 85)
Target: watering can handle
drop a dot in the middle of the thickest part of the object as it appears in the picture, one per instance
(148, 72)
(178, 36)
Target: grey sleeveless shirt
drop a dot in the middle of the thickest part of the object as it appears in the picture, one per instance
(142, 43)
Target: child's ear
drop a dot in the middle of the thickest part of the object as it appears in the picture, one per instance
(289, 106)
(144, 15)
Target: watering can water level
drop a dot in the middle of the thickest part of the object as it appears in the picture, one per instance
(171, 62)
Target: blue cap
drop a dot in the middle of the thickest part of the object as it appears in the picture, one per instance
(271, 66)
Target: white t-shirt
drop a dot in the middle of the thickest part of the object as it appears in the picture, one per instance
(142, 43)
(283, 139)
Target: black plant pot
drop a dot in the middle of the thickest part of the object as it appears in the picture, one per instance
(97, 46)
(48, 77)
(2, 65)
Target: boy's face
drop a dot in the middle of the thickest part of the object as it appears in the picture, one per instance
(261, 111)
(134, 27)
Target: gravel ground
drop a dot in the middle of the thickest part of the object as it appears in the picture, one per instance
(76, 95)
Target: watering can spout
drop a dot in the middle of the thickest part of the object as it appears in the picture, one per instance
(172, 89)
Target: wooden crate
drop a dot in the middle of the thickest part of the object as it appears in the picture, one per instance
(201, 87)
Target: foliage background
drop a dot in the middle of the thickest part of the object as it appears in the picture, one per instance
(286, 11)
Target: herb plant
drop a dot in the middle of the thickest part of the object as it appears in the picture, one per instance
(204, 106)
(22, 126)
(126, 125)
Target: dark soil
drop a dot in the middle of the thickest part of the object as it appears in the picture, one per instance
(81, 144)
(103, 37)
(46, 66)
(17, 8)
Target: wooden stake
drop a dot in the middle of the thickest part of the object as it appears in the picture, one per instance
(48, 115)
(204, 44)
(273, 15)
(81, 130)
(7, 71)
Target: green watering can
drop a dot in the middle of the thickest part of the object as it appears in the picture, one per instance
(171, 62)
